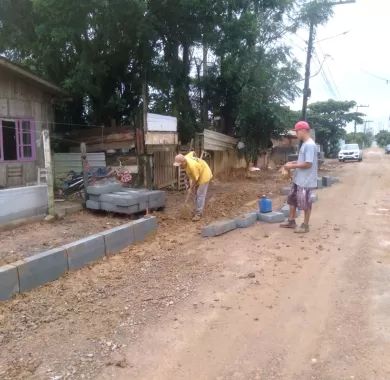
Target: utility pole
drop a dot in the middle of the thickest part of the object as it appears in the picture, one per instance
(49, 169)
(357, 110)
(310, 45)
(306, 88)
(365, 125)
(85, 166)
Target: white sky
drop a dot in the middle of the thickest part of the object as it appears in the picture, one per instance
(356, 59)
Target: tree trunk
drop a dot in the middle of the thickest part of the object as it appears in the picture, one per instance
(204, 105)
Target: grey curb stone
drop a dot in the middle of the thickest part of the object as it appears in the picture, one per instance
(27, 274)
(121, 199)
(144, 227)
(326, 181)
(84, 251)
(286, 211)
(93, 205)
(9, 282)
(119, 209)
(118, 238)
(94, 198)
(104, 188)
(246, 220)
(219, 228)
(272, 217)
(320, 184)
(285, 190)
(41, 268)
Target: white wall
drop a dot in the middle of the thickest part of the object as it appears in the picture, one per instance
(22, 202)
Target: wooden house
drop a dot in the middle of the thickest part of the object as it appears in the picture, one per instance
(26, 109)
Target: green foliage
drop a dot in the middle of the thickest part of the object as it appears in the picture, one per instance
(329, 120)
(383, 138)
(363, 139)
(103, 52)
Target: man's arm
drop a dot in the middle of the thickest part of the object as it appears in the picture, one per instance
(308, 159)
(296, 165)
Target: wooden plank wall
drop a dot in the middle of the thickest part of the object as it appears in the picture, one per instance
(164, 173)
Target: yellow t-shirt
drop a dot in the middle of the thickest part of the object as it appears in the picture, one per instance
(198, 170)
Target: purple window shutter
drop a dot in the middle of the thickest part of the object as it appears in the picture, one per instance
(33, 140)
(21, 145)
(19, 148)
(1, 141)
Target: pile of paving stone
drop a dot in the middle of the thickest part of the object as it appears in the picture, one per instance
(113, 197)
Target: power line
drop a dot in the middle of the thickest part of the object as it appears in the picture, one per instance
(330, 73)
(325, 78)
(377, 76)
(332, 37)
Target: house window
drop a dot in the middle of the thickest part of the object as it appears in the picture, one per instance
(17, 140)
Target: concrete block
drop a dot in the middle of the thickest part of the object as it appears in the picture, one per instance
(320, 185)
(156, 199)
(93, 205)
(142, 195)
(31, 202)
(104, 188)
(143, 206)
(286, 211)
(246, 220)
(84, 251)
(94, 198)
(219, 228)
(272, 217)
(144, 227)
(119, 209)
(41, 268)
(326, 181)
(118, 238)
(9, 282)
(121, 199)
(285, 190)
(334, 180)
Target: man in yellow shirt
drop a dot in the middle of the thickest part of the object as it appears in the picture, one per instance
(200, 176)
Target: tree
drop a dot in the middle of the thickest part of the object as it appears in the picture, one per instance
(88, 47)
(329, 120)
(383, 138)
(197, 59)
(364, 140)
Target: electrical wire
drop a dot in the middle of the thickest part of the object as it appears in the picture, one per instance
(377, 76)
(334, 84)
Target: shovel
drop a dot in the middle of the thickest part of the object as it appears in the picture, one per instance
(187, 209)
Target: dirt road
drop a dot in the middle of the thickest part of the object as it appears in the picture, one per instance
(260, 303)
(317, 308)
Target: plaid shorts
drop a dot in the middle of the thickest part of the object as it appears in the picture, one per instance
(300, 197)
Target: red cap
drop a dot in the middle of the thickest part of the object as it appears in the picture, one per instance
(302, 125)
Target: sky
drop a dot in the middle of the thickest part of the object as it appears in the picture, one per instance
(357, 64)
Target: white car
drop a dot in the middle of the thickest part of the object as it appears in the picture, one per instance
(350, 152)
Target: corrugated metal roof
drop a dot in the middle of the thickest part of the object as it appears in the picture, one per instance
(215, 141)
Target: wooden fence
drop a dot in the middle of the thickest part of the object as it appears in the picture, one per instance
(164, 173)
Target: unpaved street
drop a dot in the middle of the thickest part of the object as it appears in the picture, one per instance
(260, 303)
(318, 308)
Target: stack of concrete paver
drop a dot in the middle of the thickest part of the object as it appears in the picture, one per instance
(113, 197)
